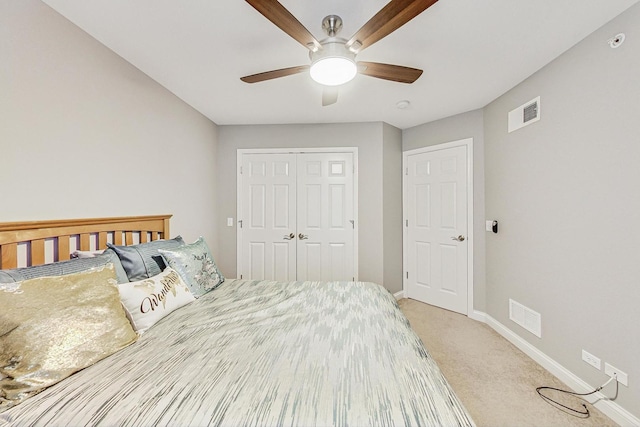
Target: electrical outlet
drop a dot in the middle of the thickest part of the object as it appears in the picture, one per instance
(591, 359)
(613, 371)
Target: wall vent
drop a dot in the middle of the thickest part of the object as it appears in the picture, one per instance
(525, 114)
(525, 317)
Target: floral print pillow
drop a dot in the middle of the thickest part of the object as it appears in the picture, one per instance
(195, 265)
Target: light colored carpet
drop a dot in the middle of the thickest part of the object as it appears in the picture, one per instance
(495, 381)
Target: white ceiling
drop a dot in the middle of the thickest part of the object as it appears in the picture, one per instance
(471, 52)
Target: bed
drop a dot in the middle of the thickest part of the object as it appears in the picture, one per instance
(247, 353)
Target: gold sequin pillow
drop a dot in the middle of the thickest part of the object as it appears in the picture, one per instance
(51, 327)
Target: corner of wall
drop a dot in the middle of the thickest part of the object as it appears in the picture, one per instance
(392, 206)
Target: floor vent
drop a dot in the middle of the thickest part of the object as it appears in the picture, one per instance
(524, 115)
(525, 317)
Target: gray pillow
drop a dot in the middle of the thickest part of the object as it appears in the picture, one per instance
(144, 261)
(63, 268)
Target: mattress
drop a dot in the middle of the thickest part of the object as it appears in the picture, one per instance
(262, 353)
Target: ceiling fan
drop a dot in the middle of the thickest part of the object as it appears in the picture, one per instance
(333, 59)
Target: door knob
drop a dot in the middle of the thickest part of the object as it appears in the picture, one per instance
(460, 238)
(289, 236)
(302, 236)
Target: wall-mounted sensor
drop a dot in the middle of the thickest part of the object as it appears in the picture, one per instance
(491, 225)
(616, 41)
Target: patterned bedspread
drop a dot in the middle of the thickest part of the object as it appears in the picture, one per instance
(261, 353)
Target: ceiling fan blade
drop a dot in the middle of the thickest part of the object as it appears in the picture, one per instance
(396, 73)
(283, 19)
(268, 75)
(329, 96)
(391, 17)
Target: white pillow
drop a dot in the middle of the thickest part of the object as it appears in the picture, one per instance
(149, 300)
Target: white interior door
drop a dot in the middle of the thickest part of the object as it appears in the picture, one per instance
(436, 237)
(268, 224)
(296, 214)
(325, 216)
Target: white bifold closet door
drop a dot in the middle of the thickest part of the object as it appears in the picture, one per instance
(296, 212)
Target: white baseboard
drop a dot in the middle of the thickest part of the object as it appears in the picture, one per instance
(399, 295)
(479, 316)
(609, 408)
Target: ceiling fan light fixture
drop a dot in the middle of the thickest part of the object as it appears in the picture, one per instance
(333, 71)
(333, 65)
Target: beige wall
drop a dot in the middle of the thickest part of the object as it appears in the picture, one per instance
(85, 134)
(566, 191)
(368, 137)
(455, 128)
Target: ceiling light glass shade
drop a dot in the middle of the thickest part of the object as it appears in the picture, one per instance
(333, 65)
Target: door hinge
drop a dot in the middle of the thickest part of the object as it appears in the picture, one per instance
(241, 276)
(240, 170)
(353, 224)
(353, 279)
(406, 222)
(407, 274)
(240, 222)
(406, 171)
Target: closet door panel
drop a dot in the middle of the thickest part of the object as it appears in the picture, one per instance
(325, 184)
(268, 204)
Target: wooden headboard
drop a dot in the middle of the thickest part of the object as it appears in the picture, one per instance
(33, 234)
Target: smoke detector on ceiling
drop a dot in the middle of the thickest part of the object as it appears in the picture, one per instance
(616, 41)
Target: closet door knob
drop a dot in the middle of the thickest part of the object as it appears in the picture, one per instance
(289, 236)
(460, 238)
(302, 236)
